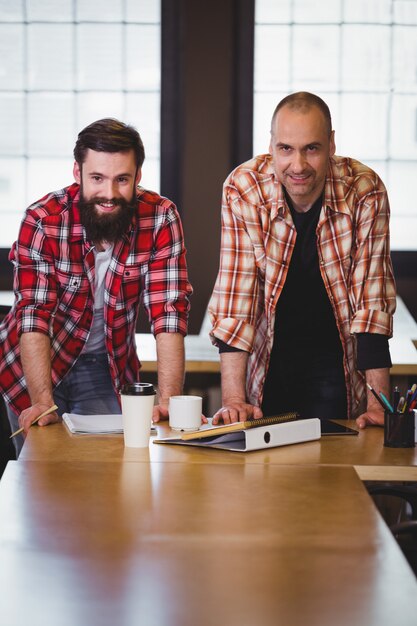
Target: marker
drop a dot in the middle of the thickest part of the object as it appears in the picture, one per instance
(385, 401)
(381, 399)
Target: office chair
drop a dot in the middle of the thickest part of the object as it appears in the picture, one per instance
(404, 511)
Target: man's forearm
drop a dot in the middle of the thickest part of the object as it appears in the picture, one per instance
(233, 376)
(171, 365)
(35, 354)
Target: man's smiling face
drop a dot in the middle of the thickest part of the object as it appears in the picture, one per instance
(301, 147)
(108, 183)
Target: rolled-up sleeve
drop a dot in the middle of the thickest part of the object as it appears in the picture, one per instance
(34, 278)
(373, 285)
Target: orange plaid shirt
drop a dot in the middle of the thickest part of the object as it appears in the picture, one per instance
(258, 238)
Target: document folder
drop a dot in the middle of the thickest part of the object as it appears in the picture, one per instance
(259, 438)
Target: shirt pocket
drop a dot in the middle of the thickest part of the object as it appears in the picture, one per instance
(73, 291)
(131, 286)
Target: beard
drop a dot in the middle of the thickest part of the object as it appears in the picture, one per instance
(100, 226)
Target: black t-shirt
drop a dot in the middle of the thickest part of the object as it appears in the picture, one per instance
(304, 318)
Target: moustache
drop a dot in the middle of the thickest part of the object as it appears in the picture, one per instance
(94, 201)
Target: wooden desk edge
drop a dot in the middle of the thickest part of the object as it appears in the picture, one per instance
(213, 367)
(206, 367)
(387, 473)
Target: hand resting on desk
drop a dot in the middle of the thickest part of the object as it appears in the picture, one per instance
(374, 417)
(29, 415)
(236, 412)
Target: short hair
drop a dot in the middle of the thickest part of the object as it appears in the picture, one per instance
(109, 135)
(303, 101)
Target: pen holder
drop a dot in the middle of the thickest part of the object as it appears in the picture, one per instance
(399, 430)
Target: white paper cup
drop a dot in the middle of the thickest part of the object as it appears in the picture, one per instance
(185, 412)
(137, 407)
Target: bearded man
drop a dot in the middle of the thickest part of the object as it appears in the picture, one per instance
(84, 259)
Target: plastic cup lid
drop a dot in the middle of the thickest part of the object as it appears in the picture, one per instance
(138, 389)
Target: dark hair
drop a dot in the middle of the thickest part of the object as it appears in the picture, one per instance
(303, 101)
(109, 135)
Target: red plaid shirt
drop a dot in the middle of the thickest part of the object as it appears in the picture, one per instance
(258, 237)
(54, 281)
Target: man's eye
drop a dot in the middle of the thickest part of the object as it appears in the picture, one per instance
(312, 148)
(122, 179)
(96, 178)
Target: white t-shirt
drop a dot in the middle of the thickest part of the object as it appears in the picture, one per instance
(95, 341)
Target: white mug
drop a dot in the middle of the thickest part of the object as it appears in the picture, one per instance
(137, 407)
(185, 412)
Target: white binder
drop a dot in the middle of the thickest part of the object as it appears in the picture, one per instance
(259, 438)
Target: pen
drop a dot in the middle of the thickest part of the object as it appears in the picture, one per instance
(400, 404)
(413, 399)
(407, 401)
(381, 399)
(50, 410)
(395, 397)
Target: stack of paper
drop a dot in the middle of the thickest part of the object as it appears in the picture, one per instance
(94, 424)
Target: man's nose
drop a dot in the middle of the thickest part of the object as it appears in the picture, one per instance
(109, 189)
(298, 161)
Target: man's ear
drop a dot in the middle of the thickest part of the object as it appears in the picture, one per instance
(332, 144)
(76, 172)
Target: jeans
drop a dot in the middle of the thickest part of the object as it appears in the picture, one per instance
(87, 389)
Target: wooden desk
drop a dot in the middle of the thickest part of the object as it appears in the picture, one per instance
(365, 452)
(174, 544)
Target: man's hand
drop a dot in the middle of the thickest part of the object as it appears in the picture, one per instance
(374, 417)
(236, 412)
(160, 412)
(29, 415)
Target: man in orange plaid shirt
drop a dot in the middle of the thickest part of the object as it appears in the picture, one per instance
(303, 303)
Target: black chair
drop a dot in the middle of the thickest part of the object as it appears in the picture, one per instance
(397, 504)
(406, 535)
(407, 493)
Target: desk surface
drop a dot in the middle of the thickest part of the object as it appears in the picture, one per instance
(365, 452)
(173, 544)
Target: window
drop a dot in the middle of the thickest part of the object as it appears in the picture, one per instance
(64, 64)
(361, 58)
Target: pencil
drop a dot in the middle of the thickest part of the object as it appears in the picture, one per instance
(50, 410)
